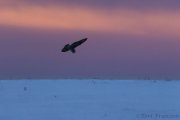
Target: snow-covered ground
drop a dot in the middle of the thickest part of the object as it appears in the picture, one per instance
(89, 100)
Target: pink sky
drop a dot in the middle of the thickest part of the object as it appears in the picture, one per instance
(126, 40)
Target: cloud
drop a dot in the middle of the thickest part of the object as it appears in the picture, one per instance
(126, 21)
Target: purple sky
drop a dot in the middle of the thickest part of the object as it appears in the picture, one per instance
(150, 4)
(127, 39)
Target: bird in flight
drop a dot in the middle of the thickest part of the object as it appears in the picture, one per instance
(72, 47)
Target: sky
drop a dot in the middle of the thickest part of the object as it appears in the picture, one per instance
(127, 39)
